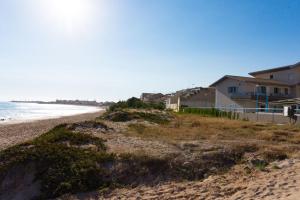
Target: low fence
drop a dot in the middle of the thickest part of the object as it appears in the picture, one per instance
(270, 115)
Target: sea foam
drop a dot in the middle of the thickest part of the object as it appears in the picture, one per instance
(32, 111)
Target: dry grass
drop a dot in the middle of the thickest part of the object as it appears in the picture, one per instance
(193, 127)
(190, 127)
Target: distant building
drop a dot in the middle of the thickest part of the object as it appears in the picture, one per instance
(195, 97)
(78, 102)
(153, 97)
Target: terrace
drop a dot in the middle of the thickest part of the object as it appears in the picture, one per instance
(260, 96)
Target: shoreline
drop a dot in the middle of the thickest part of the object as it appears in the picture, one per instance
(21, 121)
(10, 121)
(16, 133)
(61, 103)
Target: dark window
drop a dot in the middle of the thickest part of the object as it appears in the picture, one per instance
(262, 90)
(271, 76)
(276, 90)
(232, 90)
(286, 91)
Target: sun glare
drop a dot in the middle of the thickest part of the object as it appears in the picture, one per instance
(70, 15)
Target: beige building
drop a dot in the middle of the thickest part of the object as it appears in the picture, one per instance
(263, 90)
(287, 74)
(195, 97)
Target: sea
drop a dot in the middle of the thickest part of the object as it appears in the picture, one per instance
(14, 112)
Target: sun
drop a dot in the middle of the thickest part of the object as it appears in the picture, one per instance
(68, 15)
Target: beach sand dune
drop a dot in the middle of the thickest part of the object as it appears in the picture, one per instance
(281, 183)
(11, 134)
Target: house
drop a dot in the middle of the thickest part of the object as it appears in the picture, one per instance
(288, 74)
(194, 97)
(153, 97)
(263, 90)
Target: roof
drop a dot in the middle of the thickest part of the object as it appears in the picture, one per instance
(275, 69)
(152, 97)
(148, 93)
(151, 94)
(250, 80)
(192, 91)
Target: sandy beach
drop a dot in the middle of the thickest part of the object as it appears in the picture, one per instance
(11, 134)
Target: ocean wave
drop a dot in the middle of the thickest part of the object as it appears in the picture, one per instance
(31, 111)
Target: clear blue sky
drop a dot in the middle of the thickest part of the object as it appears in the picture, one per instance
(114, 49)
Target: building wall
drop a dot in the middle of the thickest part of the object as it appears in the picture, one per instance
(153, 97)
(173, 103)
(291, 76)
(172, 107)
(223, 98)
(204, 98)
(297, 91)
(281, 90)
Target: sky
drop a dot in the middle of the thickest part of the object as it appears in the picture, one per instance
(113, 49)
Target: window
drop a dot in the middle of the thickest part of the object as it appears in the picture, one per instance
(261, 90)
(276, 90)
(271, 76)
(232, 90)
(286, 91)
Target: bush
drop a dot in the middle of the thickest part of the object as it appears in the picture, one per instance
(136, 104)
(143, 167)
(273, 155)
(210, 112)
(125, 116)
(119, 116)
(61, 165)
(61, 134)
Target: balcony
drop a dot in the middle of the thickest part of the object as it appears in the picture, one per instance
(253, 96)
(277, 97)
(245, 95)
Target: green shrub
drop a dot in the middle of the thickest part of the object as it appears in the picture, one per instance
(61, 134)
(61, 165)
(210, 112)
(261, 166)
(158, 118)
(136, 104)
(119, 116)
(125, 116)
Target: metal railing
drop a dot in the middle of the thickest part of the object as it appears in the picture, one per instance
(273, 115)
(252, 95)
